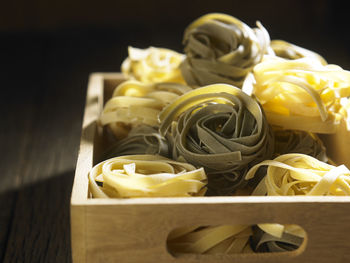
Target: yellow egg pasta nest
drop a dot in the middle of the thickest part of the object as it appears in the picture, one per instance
(145, 176)
(300, 94)
(152, 65)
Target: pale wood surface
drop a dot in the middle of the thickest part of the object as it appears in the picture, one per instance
(137, 233)
(135, 230)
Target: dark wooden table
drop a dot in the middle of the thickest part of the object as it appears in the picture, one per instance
(43, 86)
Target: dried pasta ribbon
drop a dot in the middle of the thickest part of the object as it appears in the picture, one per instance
(141, 140)
(287, 50)
(162, 91)
(222, 49)
(301, 94)
(131, 110)
(293, 141)
(145, 176)
(220, 128)
(295, 174)
(265, 242)
(153, 65)
(300, 174)
(223, 239)
(135, 103)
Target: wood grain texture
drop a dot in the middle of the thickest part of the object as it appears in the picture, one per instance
(43, 93)
(7, 201)
(136, 230)
(39, 231)
(44, 135)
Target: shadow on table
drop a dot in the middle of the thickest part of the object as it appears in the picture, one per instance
(35, 221)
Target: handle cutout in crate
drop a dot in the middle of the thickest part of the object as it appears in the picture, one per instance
(236, 239)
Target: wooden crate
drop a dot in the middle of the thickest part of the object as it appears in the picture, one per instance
(135, 230)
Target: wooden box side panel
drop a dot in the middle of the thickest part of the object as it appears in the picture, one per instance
(84, 164)
(90, 137)
(138, 233)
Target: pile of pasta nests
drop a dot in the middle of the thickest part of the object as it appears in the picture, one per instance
(237, 114)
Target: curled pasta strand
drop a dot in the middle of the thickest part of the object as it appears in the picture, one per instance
(140, 140)
(145, 176)
(223, 239)
(135, 103)
(222, 49)
(294, 141)
(152, 65)
(220, 128)
(300, 94)
(264, 241)
(287, 50)
(300, 174)
(295, 174)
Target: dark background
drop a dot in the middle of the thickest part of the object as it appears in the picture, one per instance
(47, 51)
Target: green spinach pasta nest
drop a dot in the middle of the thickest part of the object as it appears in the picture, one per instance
(220, 128)
(290, 239)
(222, 49)
(293, 141)
(290, 51)
(141, 139)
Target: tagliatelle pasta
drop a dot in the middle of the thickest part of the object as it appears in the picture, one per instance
(301, 94)
(222, 49)
(223, 239)
(145, 176)
(134, 103)
(163, 91)
(287, 50)
(153, 65)
(296, 174)
(220, 128)
(300, 174)
(140, 140)
(264, 242)
(131, 110)
(293, 141)
(218, 137)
